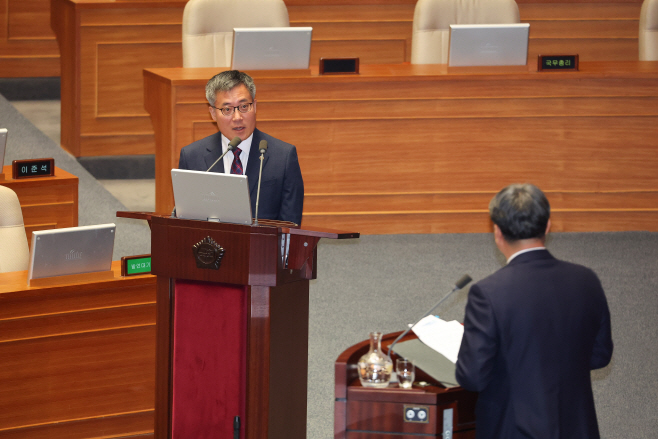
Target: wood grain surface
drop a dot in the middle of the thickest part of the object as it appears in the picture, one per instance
(78, 359)
(587, 138)
(104, 46)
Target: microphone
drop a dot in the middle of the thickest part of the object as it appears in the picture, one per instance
(461, 283)
(231, 146)
(262, 147)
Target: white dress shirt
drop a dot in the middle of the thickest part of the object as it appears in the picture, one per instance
(245, 146)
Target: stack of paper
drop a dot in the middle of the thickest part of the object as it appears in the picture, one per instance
(444, 337)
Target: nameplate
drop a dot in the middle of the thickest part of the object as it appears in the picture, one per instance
(135, 265)
(33, 168)
(557, 62)
(339, 66)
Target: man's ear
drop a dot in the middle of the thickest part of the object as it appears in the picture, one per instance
(212, 113)
(497, 233)
(548, 227)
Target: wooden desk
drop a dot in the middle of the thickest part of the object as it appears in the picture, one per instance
(105, 44)
(46, 202)
(365, 413)
(77, 360)
(418, 149)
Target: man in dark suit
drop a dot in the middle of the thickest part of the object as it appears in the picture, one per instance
(533, 330)
(231, 97)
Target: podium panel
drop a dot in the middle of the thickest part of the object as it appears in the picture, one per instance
(232, 327)
(209, 359)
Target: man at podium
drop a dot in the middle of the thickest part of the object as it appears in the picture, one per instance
(231, 98)
(533, 331)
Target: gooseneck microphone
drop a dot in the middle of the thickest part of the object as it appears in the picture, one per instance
(231, 146)
(262, 147)
(461, 283)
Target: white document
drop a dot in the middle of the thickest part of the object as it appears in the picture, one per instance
(444, 337)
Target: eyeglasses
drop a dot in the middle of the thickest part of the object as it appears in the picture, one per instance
(242, 108)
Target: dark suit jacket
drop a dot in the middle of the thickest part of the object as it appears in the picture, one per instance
(532, 332)
(282, 187)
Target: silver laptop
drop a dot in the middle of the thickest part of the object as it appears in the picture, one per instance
(3, 144)
(71, 250)
(488, 44)
(271, 48)
(211, 196)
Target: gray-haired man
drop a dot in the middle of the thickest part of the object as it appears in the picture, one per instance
(231, 98)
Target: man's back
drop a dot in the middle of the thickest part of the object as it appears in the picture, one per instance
(533, 332)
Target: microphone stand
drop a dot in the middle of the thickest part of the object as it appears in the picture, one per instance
(262, 149)
(461, 283)
(231, 146)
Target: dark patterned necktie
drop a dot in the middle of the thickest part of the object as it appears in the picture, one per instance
(236, 167)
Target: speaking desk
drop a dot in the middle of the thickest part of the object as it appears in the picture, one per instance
(77, 359)
(367, 413)
(422, 149)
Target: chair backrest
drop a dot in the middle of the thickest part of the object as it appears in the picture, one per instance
(432, 20)
(14, 252)
(648, 37)
(208, 27)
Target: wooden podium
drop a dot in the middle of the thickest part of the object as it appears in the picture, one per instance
(232, 327)
(360, 413)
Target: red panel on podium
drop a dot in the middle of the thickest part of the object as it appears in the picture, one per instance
(210, 335)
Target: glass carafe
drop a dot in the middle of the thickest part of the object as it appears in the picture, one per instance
(375, 367)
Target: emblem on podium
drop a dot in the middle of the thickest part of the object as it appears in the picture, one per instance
(208, 253)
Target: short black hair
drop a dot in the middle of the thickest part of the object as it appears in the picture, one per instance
(521, 211)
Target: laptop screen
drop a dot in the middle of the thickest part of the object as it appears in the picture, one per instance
(211, 196)
(71, 250)
(488, 44)
(271, 48)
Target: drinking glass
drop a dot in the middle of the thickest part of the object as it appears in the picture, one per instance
(406, 372)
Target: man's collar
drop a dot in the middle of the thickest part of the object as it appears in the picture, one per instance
(525, 250)
(245, 145)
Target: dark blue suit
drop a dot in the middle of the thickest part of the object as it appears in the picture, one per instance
(532, 332)
(282, 187)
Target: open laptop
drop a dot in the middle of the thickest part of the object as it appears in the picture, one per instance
(488, 44)
(3, 144)
(271, 48)
(71, 250)
(211, 196)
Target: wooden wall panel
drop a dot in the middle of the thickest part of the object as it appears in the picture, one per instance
(106, 44)
(27, 44)
(77, 361)
(104, 49)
